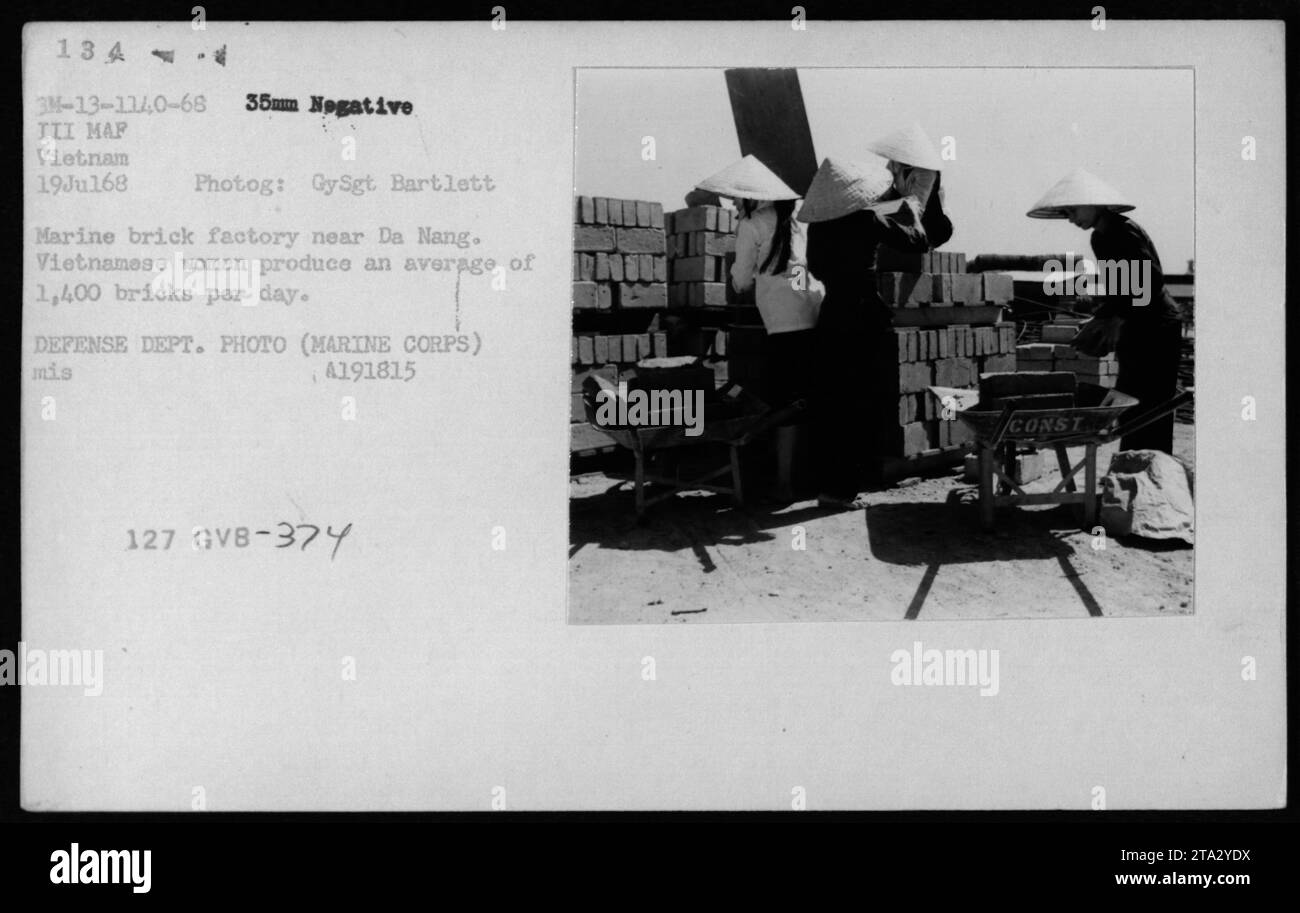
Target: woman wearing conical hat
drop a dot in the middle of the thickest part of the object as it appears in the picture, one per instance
(915, 167)
(768, 240)
(853, 328)
(1141, 326)
(770, 253)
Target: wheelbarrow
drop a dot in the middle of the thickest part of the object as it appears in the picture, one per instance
(732, 416)
(1047, 409)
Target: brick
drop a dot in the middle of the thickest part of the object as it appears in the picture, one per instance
(959, 263)
(601, 205)
(1009, 340)
(1053, 332)
(668, 222)
(1000, 363)
(586, 267)
(615, 213)
(642, 213)
(586, 210)
(629, 212)
(967, 288)
(716, 244)
(602, 267)
(642, 295)
(945, 342)
(707, 294)
(593, 238)
(915, 290)
(661, 269)
(1035, 351)
(656, 215)
(631, 267)
(916, 438)
(941, 289)
(914, 377)
(614, 345)
(696, 218)
(616, 267)
(998, 288)
(906, 409)
(646, 267)
(1078, 365)
(695, 269)
(591, 296)
(600, 348)
(904, 289)
(904, 344)
(659, 344)
(963, 372)
(586, 350)
(720, 343)
(631, 347)
(640, 240)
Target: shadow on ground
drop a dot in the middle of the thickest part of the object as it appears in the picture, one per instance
(937, 534)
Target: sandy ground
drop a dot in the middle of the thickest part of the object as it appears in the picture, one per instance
(916, 552)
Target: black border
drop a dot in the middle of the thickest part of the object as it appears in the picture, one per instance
(1074, 854)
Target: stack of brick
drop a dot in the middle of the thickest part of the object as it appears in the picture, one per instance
(951, 356)
(701, 246)
(1054, 353)
(609, 356)
(937, 279)
(619, 255)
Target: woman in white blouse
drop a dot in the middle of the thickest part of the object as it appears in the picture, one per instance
(770, 261)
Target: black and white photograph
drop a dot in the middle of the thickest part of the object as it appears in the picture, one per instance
(880, 344)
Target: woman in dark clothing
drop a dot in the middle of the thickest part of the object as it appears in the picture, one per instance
(855, 346)
(915, 167)
(1141, 323)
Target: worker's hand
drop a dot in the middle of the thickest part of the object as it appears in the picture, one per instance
(1099, 336)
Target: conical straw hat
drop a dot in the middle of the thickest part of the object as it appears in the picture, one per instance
(841, 187)
(748, 179)
(910, 146)
(1079, 188)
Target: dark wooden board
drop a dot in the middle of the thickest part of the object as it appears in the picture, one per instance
(772, 124)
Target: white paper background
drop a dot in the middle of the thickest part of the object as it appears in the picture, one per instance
(223, 669)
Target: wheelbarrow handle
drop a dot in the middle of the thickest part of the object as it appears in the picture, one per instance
(1154, 414)
(772, 418)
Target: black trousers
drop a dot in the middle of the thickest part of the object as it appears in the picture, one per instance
(846, 410)
(1148, 353)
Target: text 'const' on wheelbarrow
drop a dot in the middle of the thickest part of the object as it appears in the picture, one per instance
(1044, 409)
